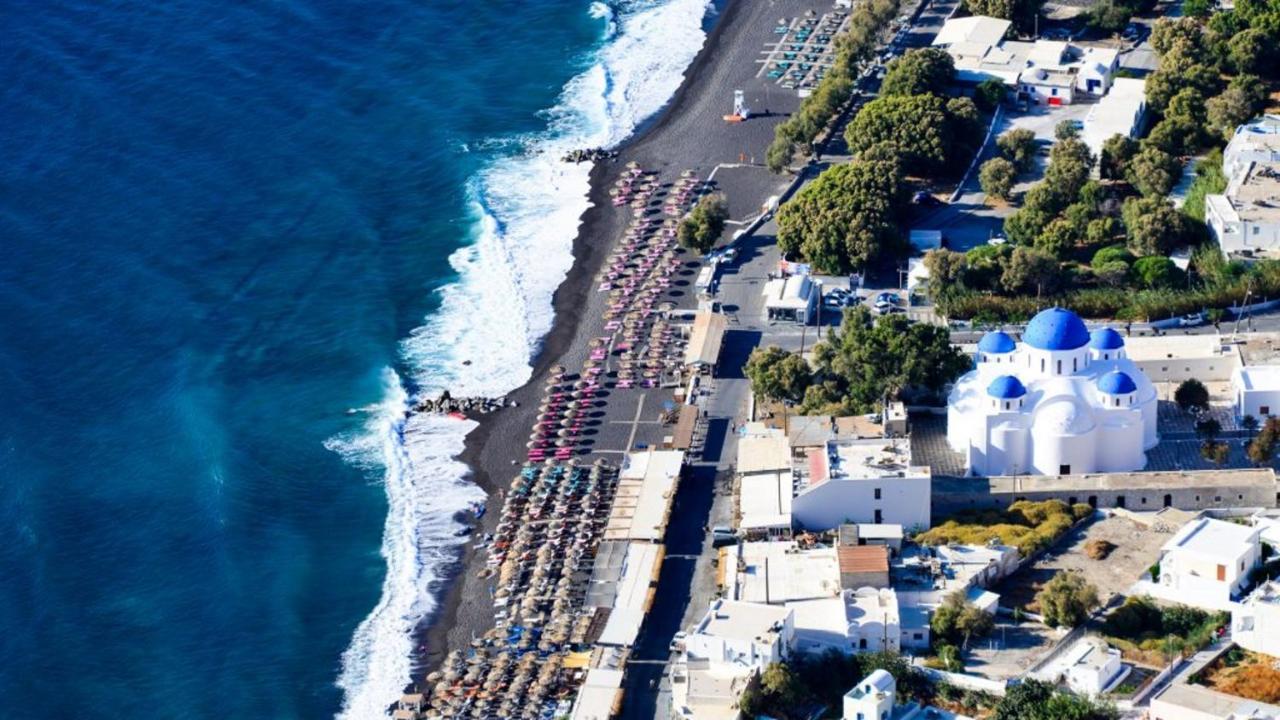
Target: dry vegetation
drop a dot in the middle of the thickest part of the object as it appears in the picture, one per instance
(1028, 526)
(1244, 674)
(1098, 549)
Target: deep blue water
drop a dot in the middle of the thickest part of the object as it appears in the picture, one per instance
(217, 221)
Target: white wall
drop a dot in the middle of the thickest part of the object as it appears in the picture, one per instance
(903, 501)
(1251, 402)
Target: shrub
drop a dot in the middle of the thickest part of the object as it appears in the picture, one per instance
(1066, 600)
(1098, 549)
(702, 226)
(1028, 526)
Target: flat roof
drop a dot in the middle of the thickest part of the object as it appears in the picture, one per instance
(764, 500)
(646, 489)
(1117, 113)
(1210, 702)
(734, 620)
(871, 459)
(631, 602)
(1254, 195)
(863, 558)
(1258, 377)
(1155, 481)
(706, 338)
(778, 572)
(686, 423)
(974, 29)
(1212, 538)
(1176, 347)
(873, 605)
(598, 694)
(764, 453)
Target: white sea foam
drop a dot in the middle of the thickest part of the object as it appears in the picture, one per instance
(484, 336)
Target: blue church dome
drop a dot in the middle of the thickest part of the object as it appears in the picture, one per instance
(1116, 383)
(1105, 339)
(1006, 387)
(1056, 329)
(996, 342)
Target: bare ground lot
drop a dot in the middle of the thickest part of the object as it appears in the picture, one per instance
(1009, 650)
(1136, 548)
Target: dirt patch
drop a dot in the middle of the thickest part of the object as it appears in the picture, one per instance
(1134, 548)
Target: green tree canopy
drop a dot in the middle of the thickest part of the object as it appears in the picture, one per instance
(701, 228)
(777, 374)
(996, 177)
(926, 129)
(1032, 272)
(1192, 395)
(1066, 600)
(1155, 271)
(1019, 147)
(1153, 226)
(863, 361)
(1153, 172)
(846, 218)
(1117, 151)
(920, 71)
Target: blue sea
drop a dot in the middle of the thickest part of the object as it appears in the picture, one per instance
(235, 239)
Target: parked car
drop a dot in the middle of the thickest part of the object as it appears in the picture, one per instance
(998, 239)
(1192, 320)
(923, 198)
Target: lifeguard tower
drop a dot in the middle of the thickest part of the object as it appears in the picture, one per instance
(740, 111)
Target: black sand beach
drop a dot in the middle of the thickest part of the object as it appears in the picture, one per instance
(688, 134)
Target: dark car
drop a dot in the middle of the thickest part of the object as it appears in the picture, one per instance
(923, 198)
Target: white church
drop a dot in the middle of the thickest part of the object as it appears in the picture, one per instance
(1065, 401)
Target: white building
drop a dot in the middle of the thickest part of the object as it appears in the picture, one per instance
(1120, 112)
(732, 643)
(1207, 563)
(1246, 217)
(875, 697)
(1092, 666)
(1046, 72)
(780, 572)
(862, 481)
(1256, 389)
(1255, 621)
(1063, 402)
(793, 299)
(968, 566)
(1255, 142)
(765, 484)
(874, 623)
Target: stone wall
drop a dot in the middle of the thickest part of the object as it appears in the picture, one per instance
(1150, 491)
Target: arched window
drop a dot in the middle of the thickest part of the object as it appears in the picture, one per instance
(1074, 368)
(1117, 402)
(1041, 364)
(1059, 371)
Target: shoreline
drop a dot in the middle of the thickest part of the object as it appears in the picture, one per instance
(494, 449)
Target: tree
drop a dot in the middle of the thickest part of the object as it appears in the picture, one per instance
(1208, 429)
(1215, 452)
(1021, 12)
(779, 154)
(846, 218)
(777, 374)
(1158, 272)
(1116, 153)
(996, 177)
(1066, 130)
(703, 225)
(1250, 424)
(1112, 254)
(918, 125)
(778, 681)
(1059, 237)
(1070, 163)
(957, 620)
(989, 94)
(1263, 447)
(925, 70)
(1066, 600)
(1031, 271)
(1192, 395)
(1109, 16)
(1019, 147)
(1228, 110)
(1251, 51)
(863, 361)
(1153, 225)
(946, 271)
(1102, 230)
(1153, 172)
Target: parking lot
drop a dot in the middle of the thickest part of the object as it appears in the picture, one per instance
(1010, 650)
